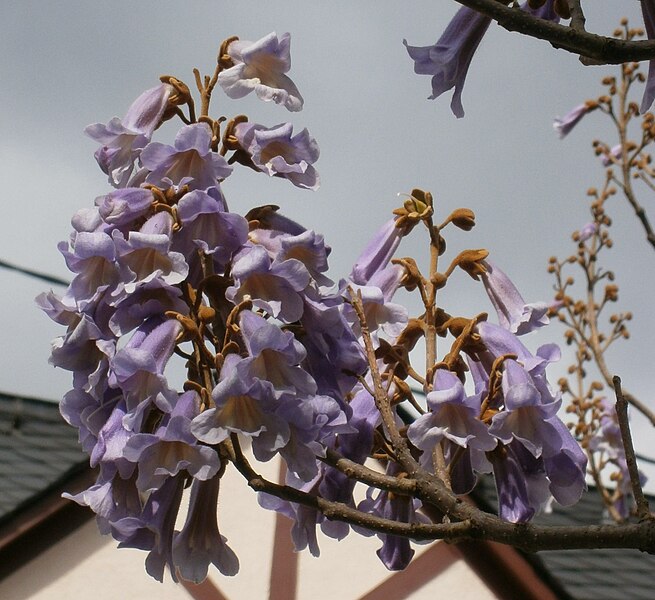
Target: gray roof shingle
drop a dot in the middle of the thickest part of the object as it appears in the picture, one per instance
(605, 574)
(38, 450)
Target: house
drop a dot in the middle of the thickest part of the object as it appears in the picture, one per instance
(50, 547)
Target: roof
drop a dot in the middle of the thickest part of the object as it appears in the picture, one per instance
(603, 574)
(39, 459)
(38, 450)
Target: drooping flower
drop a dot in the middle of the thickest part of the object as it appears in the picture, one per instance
(565, 124)
(273, 287)
(648, 11)
(260, 67)
(190, 161)
(200, 542)
(274, 152)
(615, 153)
(123, 140)
(587, 231)
(527, 423)
(513, 313)
(453, 416)
(171, 449)
(448, 60)
(378, 252)
(244, 405)
(396, 552)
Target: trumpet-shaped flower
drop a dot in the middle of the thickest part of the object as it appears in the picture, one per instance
(260, 67)
(189, 161)
(648, 11)
(275, 152)
(448, 60)
(513, 313)
(123, 140)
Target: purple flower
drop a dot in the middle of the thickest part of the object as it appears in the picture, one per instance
(274, 152)
(565, 124)
(200, 542)
(380, 312)
(138, 369)
(453, 416)
(274, 356)
(448, 60)
(513, 313)
(145, 256)
(648, 11)
(244, 405)
(92, 256)
(189, 161)
(207, 226)
(171, 449)
(260, 67)
(587, 232)
(378, 252)
(273, 287)
(307, 247)
(124, 206)
(615, 153)
(521, 483)
(123, 140)
(527, 422)
(396, 552)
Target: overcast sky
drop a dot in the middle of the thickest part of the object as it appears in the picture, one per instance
(67, 64)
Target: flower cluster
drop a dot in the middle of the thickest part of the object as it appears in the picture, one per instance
(277, 356)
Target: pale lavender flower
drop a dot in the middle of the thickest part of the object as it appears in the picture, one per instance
(587, 232)
(380, 312)
(207, 226)
(154, 529)
(513, 313)
(378, 252)
(448, 60)
(453, 416)
(648, 11)
(171, 449)
(528, 420)
(273, 287)
(396, 552)
(146, 255)
(200, 542)
(189, 161)
(565, 124)
(122, 140)
(260, 67)
(615, 153)
(244, 405)
(274, 152)
(138, 369)
(308, 247)
(92, 256)
(521, 483)
(124, 206)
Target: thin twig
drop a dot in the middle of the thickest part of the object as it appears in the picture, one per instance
(577, 15)
(643, 511)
